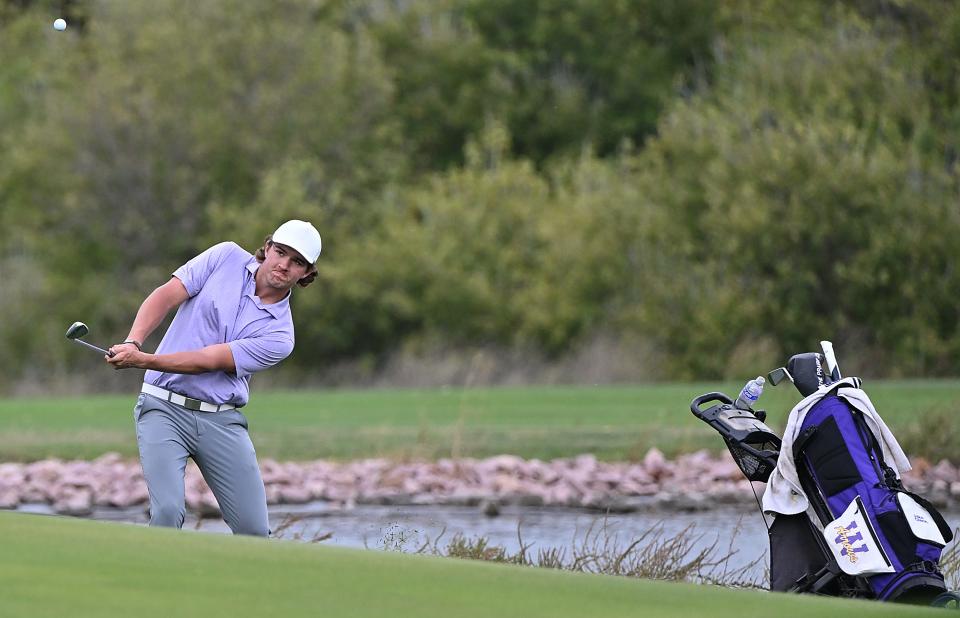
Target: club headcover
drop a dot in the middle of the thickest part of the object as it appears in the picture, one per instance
(807, 371)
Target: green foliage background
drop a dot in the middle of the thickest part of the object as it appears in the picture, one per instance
(725, 181)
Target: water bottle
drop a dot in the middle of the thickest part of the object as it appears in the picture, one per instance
(750, 393)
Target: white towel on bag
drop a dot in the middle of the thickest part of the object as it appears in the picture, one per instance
(783, 493)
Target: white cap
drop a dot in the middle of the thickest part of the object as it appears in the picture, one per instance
(300, 235)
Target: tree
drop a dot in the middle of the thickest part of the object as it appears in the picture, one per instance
(805, 206)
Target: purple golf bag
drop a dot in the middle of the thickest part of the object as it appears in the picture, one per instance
(864, 535)
(885, 541)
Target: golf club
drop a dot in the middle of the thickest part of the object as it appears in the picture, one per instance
(778, 375)
(831, 359)
(78, 330)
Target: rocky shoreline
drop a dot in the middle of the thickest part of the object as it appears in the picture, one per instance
(697, 481)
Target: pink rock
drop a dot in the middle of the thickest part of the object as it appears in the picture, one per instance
(502, 463)
(447, 467)
(33, 493)
(669, 471)
(295, 494)
(639, 474)
(655, 463)
(393, 479)
(318, 469)
(560, 495)
(202, 502)
(12, 474)
(9, 498)
(315, 487)
(725, 469)
(542, 472)
(130, 496)
(14, 480)
(111, 481)
(577, 481)
(607, 481)
(586, 462)
(74, 501)
(505, 484)
(76, 473)
(44, 473)
(649, 489)
(271, 471)
(273, 493)
(943, 471)
(410, 486)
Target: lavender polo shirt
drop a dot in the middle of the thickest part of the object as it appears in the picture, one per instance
(223, 308)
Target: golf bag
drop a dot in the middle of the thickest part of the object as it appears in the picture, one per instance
(859, 533)
(886, 540)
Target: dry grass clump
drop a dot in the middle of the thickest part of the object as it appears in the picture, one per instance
(282, 531)
(950, 563)
(652, 555)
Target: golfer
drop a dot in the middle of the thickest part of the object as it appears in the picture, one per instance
(233, 321)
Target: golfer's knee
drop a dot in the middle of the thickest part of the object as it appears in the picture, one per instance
(168, 514)
(253, 529)
(251, 526)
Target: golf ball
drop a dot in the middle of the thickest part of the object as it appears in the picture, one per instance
(60, 24)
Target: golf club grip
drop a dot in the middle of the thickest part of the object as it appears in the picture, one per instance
(831, 359)
(93, 347)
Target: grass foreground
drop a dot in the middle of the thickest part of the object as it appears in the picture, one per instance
(613, 422)
(53, 566)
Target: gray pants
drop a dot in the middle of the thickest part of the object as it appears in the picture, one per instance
(219, 444)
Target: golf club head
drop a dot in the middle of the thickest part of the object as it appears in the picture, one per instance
(778, 375)
(77, 330)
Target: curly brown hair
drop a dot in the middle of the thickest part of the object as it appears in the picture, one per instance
(261, 255)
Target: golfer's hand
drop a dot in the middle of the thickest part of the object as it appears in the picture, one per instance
(126, 356)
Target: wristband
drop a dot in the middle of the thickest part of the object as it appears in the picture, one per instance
(134, 342)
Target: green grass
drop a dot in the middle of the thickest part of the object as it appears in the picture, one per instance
(61, 567)
(615, 423)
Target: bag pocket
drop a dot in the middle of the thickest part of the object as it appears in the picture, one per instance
(921, 521)
(830, 458)
(854, 543)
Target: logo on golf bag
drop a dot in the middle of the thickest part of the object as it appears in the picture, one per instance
(854, 544)
(847, 540)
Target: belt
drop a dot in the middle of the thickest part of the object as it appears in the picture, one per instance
(186, 402)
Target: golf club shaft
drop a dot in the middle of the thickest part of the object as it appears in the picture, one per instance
(92, 347)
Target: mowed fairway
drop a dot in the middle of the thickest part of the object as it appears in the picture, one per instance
(615, 423)
(62, 567)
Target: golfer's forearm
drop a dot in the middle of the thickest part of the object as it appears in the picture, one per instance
(156, 307)
(212, 358)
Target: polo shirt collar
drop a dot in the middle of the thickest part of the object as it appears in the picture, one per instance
(276, 309)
